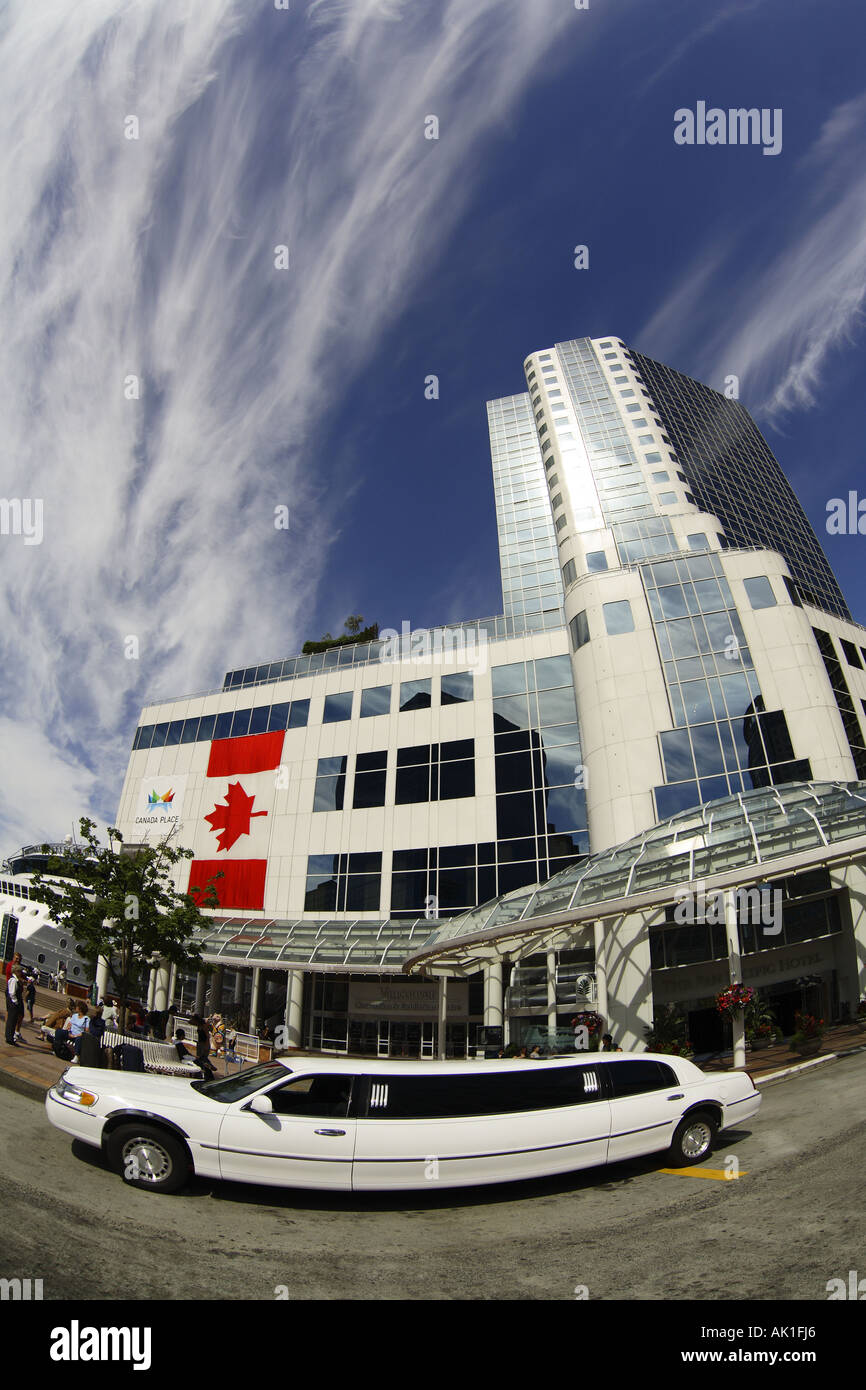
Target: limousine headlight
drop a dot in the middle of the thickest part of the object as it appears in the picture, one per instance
(66, 1091)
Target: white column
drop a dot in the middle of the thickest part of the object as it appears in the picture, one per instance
(738, 1017)
(255, 1000)
(600, 973)
(443, 1014)
(160, 987)
(200, 992)
(151, 988)
(102, 976)
(551, 994)
(239, 988)
(493, 996)
(294, 1007)
(172, 984)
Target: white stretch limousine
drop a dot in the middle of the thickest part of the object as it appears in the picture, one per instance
(362, 1125)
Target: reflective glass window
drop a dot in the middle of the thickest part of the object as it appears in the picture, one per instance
(376, 699)
(618, 617)
(299, 714)
(596, 560)
(457, 687)
(337, 707)
(760, 592)
(415, 694)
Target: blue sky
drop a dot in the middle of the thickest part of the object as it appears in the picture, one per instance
(304, 387)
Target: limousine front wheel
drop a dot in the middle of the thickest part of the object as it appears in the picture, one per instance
(149, 1157)
(693, 1138)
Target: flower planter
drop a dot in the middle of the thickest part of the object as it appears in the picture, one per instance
(758, 1044)
(860, 1024)
(807, 1049)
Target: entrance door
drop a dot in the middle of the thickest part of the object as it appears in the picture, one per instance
(308, 1140)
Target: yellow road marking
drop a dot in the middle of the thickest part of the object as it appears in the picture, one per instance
(718, 1174)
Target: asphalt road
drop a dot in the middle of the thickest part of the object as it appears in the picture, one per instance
(792, 1222)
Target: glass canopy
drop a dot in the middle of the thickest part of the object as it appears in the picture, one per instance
(737, 833)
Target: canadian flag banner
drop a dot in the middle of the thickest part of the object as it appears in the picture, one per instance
(241, 773)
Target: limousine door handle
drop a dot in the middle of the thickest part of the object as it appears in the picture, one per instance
(333, 1132)
(677, 1096)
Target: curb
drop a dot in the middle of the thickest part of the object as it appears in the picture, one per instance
(788, 1072)
(32, 1089)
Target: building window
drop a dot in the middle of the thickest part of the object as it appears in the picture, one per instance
(851, 654)
(343, 883)
(561, 522)
(435, 772)
(457, 688)
(618, 617)
(299, 715)
(653, 458)
(569, 573)
(760, 592)
(330, 784)
(370, 774)
(667, 499)
(698, 541)
(596, 560)
(661, 477)
(415, 694)
(579, 630)
(337, 707)
(376, 699)
(557, 500)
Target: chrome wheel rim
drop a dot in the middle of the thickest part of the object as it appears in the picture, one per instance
(147, 1161)
(697, 1139)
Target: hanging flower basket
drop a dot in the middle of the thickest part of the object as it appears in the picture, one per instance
(733, 998)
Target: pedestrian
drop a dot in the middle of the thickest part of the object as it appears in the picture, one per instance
(202, 1044)
(13, 964)
(97, 1023)
(183, 1052)
(30, 996)
(61, 978)
(14, 1007)
(78, 1024)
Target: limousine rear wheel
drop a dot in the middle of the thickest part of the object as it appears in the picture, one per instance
(693, 1138)
(149, 1157)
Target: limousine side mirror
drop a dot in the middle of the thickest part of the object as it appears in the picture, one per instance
(262, 1105)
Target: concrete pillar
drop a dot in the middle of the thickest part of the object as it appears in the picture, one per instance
(493, 996)
(151, 988)
(239, 988)
(600, 972)
(160, 986)
(172, 984)
(443, 1014)
(735, 966)
(294, 1007)
(216, 991)
(255, 999)
(102, 976)
(551, 994)
(200, 992)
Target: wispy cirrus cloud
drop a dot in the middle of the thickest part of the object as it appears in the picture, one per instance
(790, 301)
(154, 258)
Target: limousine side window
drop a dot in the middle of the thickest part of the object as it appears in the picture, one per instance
(409, 1097)
(325, 1096)
(637, 1077)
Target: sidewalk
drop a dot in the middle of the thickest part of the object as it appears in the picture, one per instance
(31, 1068)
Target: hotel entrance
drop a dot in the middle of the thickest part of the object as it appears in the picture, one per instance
(392, 1017)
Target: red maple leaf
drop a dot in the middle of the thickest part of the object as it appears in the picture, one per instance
(233, 819)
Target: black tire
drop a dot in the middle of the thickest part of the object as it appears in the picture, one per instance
(693, 1139)
(149, 1157)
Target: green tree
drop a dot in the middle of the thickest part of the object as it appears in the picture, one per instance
(354, 623)
(122, 905)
